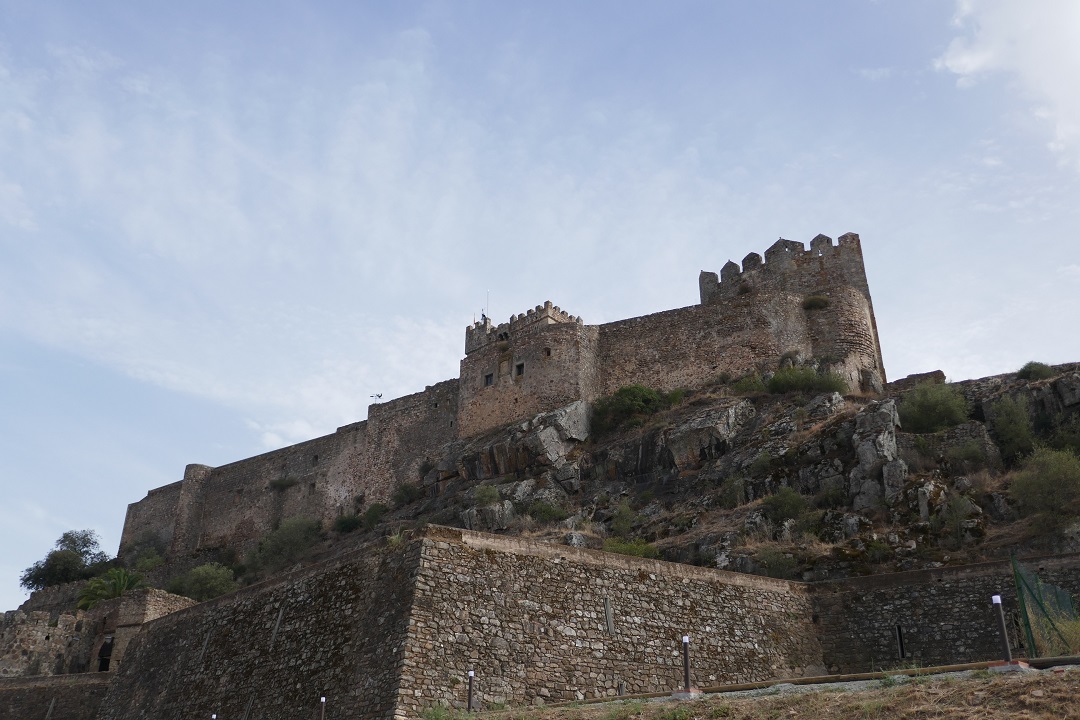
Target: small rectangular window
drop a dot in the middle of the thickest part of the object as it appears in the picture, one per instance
(489, 379)
(900, 649)
(519, 369)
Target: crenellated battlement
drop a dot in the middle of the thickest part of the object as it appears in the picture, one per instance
(788, 262)
(482, 332)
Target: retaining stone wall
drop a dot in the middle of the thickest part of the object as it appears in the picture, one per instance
(66, 697)
(541, 622)
(945, 614)
(271, 650)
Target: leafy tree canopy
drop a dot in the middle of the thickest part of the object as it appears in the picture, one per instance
(77, 556)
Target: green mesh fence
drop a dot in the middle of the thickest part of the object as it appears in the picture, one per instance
(1048, 616)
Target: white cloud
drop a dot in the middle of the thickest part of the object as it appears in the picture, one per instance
(1037, 44)
(1070, 271)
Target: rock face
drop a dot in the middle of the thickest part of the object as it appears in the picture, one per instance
(878, 478)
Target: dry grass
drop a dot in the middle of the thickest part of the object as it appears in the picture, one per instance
(1010, 695)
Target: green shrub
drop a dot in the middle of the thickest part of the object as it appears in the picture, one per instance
(777, 564)
(815, 302)
(630, 405)
(1035, 371)
(204, 582)
(406, 494)
(1066, 436)
(114, 583)
(966, 458)
(544, 512)
(148, 560)
(624, 520)
(749, 384)
(805, 379)
(347, 523)
(878, 551)
(485, 495)
(636, 547)
(930, 407)
(285, 546)
(761, 465)
(786, 504)
(831, 498)
(732, 492)
(1011, 423)
(373, 515)
(1048, 483)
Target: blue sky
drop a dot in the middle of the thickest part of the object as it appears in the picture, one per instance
(224, 226)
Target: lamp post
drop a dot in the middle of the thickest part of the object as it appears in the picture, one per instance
(686, 662)
(469, 703)
(1005, 649)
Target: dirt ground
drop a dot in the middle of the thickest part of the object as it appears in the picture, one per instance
(979, 694)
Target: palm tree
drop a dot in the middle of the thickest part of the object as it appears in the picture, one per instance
(112, 584)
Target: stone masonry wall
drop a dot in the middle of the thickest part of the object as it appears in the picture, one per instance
(529, 373)
(35, 644)
(153, 516)
(945, 615)
(68, 697)
(235, 505)
(541, 622)
(271, 650)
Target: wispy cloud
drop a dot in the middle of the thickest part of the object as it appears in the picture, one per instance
(1037, 44)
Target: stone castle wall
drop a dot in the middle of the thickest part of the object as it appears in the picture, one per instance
(539, 361)
(235, 505)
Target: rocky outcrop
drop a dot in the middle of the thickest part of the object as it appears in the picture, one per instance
(877, 480)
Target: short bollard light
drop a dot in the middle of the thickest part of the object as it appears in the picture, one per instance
(322, 706)
(468, 705)
(1006, 651)
(686, 662)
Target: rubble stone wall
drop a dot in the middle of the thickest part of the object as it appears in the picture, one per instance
(333, 630)
(944, 615)
(66, 697)
(546, 623)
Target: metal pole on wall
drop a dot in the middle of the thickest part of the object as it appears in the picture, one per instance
(1005, 649)
(322, 712)
(469, 705)
(686, 662)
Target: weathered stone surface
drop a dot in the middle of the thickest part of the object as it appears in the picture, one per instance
(879, 474)
(707, 435)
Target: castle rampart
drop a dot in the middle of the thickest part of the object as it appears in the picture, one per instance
(812, 305)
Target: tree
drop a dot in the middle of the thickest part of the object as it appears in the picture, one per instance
(77, 556)
(204, 582)
(114, 583)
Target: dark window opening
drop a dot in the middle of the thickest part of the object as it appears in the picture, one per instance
(105, 654)
(547, 352)
(900, 642)
(519, 369)
(489, 379)
(314, 459)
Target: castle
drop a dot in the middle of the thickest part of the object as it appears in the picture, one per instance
(795, 303)
(388, 630)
